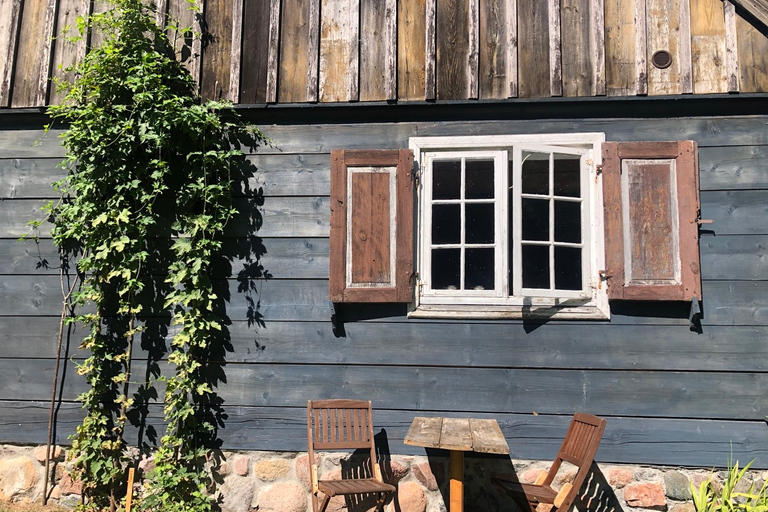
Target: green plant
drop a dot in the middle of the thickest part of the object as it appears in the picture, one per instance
(144, 204)
(709, 497)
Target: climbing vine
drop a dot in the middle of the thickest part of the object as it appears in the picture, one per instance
(148, 193)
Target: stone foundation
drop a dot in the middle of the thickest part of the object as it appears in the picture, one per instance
(279, 482)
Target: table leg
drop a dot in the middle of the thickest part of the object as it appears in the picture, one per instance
(457, 481)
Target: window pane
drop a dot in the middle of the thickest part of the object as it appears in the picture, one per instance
(446, 179)
(567, 268)
(480, 225)
(567, 175)
(567, 221)
(479, 271)
(445, 269)
(536, 266)
(535, 173)
(535, 219)
(479, 176)
(446, 223)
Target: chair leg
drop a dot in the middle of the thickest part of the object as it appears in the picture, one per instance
(380, 502)
(324, 504)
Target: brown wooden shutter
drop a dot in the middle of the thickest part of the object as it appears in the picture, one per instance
(651, 207)
(371, 226)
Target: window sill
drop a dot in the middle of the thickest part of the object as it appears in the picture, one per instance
(544, 312)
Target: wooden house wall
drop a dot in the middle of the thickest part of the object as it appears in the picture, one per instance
(296, 51)
(671, 396)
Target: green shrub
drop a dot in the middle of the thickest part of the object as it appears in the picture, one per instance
(712, 498)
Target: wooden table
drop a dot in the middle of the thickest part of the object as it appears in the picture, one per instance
(458, 435)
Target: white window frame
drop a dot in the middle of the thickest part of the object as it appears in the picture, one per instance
(589, 303)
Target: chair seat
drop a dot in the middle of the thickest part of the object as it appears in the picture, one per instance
(532, 492)
(353, 486)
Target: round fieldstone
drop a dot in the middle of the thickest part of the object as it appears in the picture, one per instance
(646, 495)
(677, 486)
(283, 497)
(393, 471)
(270, 470)
(241, 465)
(423, 473)
(302, 470)
(237, 495)
(619, 477)
(411, 498)
(18, 477)
(68, 485)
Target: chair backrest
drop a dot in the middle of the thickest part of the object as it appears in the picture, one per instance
(579, 448)
(341, 425)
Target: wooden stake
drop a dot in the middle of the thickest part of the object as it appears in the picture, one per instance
(129, 492)
(457, 481)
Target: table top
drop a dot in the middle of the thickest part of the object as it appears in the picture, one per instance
(461, 434)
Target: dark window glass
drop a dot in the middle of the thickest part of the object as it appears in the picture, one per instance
(535, 173)
(535, 266)
(567, 268)
(446, 179)
(567, 222)
(445, 269)
(446, 223)
(480, 271)
(567, 175)
(479, 177)
(535, 219)
(479, 223)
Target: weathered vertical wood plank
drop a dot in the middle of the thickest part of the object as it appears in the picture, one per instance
(274, 43)
(10, 11)
(512, 48)
(237, 50)
(411, 49)
(473, 67)
(731, 47)
(641, 44)
(578, 65)
(533, 48)
(753, 57)
(493, 78)
(217, 49)
(663, 26)
(67, 54)
(314, 50)
(555, 50)
(253, 73)
(390, 34)
(597, 42)
(684, 40)
(374, 46)
(161, 12)
(620, 54)
(430, 48)
(30, 80)
(294, 51)
(188, 46)
(452, 49)
(339, 50)
(708, 46)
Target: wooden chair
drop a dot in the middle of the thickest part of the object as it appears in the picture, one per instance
(343, 425)
(579, 448)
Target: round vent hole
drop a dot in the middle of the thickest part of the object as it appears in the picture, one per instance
(661, 59)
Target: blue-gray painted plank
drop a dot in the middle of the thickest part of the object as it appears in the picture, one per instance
(704, 395)
(674, 442)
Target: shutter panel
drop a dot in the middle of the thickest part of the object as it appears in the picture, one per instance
(371, 226)
(651, 202)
